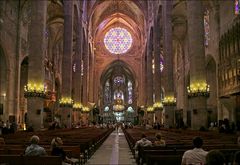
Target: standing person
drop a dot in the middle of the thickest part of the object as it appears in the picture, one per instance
(196, 156)
(34, 149)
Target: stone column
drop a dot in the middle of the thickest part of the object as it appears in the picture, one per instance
(197, 61)
(85, 71)
(149, 77)
(85, 85)
(78, 62)
(168, 60)
(36, 71)
(67, 61)
(157, 72)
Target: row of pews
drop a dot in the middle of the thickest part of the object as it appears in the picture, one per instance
(177, 142)
(79, 143)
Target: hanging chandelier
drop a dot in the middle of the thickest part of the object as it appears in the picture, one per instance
(118, 105)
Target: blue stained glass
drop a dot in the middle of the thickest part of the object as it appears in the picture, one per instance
(118, 40)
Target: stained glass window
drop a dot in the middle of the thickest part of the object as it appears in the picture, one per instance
(237, 6)
(118, 80)
(107, 93)
(206, 27)
(118, 40)
(130, 92)
(118, 94)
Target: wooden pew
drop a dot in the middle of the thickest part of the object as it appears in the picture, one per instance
(30, 160)
(164, 160)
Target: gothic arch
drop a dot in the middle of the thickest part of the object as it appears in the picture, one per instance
(211, 74)
(3, 80)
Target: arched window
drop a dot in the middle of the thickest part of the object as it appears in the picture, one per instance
(237, 6)
(130, 93)
(118, 94)
(118, 80)
(107, 93)
(206, 27)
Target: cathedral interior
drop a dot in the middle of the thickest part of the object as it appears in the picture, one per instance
(172, 62)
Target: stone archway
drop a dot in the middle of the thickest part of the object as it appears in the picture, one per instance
(212, 81)
(23, 100)
(118, 83)
(3, 86)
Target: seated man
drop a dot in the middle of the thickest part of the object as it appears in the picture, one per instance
(143, 142)
(196, 156)
(34, 149)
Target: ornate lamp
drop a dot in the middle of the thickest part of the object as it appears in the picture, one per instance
(150, 109)
(198, 89)
(77, 106)
(169, 101)
(158, 106)
(66, 102)
(35, 90)
(85, 110)
(118, 105)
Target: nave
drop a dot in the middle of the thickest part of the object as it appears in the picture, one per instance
(114, 150)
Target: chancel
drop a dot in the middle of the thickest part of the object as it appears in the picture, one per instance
(105, 75)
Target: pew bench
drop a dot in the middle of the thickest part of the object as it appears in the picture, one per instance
(30, 160)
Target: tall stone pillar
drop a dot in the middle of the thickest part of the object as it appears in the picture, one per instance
(197, 62)
(85, 71)
(150, 73)
(157, 72)
(77, 75)
(67, 62)
(168, 63)
(36, 71)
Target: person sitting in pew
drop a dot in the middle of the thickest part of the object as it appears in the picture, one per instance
(196, 156)
(34, 149)
(215, 157)
(57, 150)
(143, 142)
(236, 159)
(159, 141)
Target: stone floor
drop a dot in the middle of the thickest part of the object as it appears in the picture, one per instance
(114, 150)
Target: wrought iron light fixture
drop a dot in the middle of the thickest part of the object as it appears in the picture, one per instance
(35, 90)
(66, 102)
(77, 106)
(150, 109)
(85, 110)
(118, 105)
(158, 106)
(169, 101)
(198, 89)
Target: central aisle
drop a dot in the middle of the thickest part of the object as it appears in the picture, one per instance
(114, 150)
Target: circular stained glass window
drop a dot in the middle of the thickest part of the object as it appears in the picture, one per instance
(118, 40)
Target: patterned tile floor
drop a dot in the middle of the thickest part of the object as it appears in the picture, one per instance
(114, 150)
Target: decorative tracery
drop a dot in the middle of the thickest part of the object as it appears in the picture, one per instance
(118, 40)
